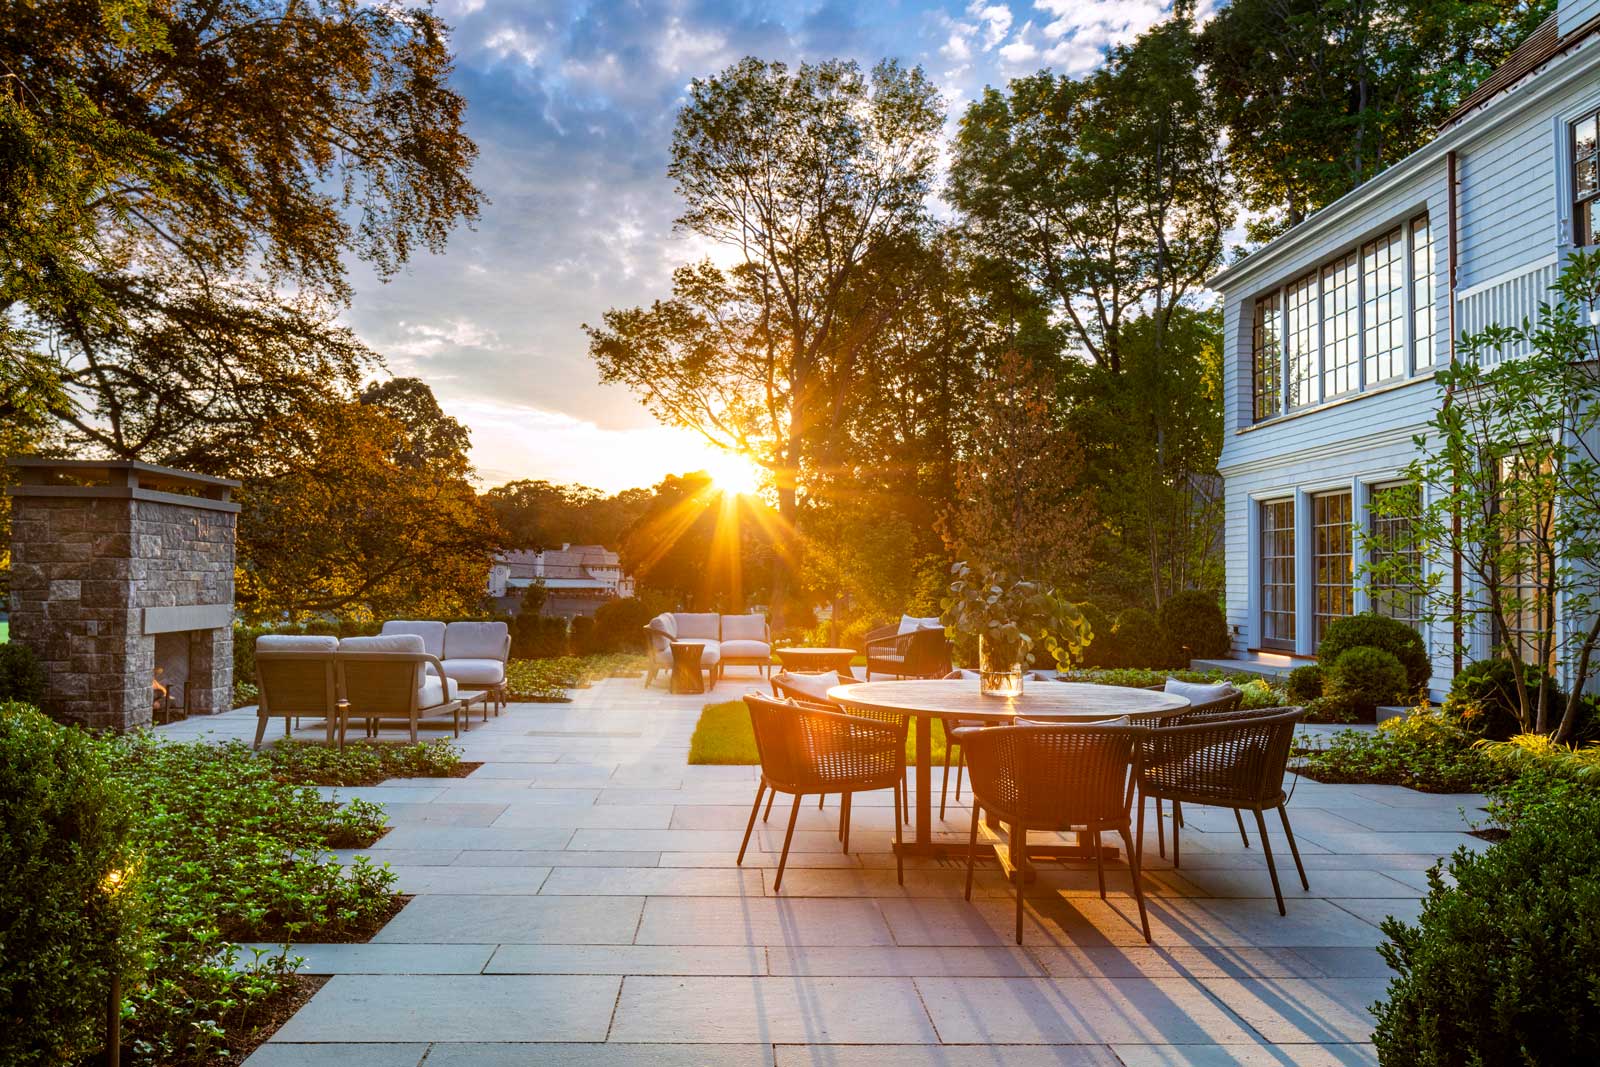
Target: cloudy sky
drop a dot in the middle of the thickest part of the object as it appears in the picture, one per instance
(572, 106)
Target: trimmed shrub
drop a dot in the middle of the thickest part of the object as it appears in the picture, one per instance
(538, 636)
(1362, 678)
(1098, 651)
(69, 909)
(1193, 626)
(1305, 684)
(582, 639)
(1503, 964)
(1483, 697)
(1378, 631)
(1136, 641)
(619, 625)
(21, 674)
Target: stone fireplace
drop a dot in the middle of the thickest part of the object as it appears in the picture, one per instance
(122, 583)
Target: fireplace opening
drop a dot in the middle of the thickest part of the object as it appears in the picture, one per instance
(169, 682)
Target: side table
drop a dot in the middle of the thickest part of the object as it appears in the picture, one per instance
(685, 676)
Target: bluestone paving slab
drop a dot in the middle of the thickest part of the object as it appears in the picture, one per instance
(410, 857)
(279, 1054)
(881, 882)
(945, 1056)
(548, 858)
(520, 794)
(628, 959)
(1179, 961)
(808, 1010)
(489, 920)
(476, 837)
(458, 879)
(456, 1008)
(1376, 842)
(726, 841)
(759, 921)
(1375, 911)
(1246, 1055)
(600, 1055)
(442, 814)
(386, 959)
(1312, 1010)
(861, 961)
(1257, 883)
(1345, 962)
(592, 816)
(977, 1011)
(654, 881)
(755, 858)
(382, 794)
(1458, 819)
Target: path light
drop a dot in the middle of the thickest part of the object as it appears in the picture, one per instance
(113, 883)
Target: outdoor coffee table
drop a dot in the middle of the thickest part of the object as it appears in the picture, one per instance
(471, 697)
(685, 677)
(817, 660)
(958, 698)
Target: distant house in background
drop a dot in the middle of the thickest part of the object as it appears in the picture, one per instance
(576, 578)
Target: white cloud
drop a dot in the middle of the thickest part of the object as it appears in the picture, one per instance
(996, 19)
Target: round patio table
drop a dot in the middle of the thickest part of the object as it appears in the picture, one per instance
(958, 698)
(817, 660)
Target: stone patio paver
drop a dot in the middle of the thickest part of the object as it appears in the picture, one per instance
(577, 903)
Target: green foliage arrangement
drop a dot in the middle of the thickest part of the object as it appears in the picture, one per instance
(1305, 684)
(536, 636)
(69, 906)
(1425, 750)
(21, 674)
(1362, 678)
(1381, 632)
(1010, 615)
(1193, 626)
(1503, 963)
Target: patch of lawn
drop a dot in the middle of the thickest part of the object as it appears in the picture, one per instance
(724, 736)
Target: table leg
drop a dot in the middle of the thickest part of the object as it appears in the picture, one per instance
(924, 726)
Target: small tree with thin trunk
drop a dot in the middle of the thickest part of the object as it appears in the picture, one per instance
(1509, 472)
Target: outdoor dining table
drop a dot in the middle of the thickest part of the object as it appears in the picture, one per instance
(925, 700)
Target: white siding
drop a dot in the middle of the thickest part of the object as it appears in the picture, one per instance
(1570, 14)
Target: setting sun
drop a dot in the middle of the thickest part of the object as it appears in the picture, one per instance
(734, 473)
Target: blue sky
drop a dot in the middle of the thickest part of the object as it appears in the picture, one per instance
(572, 107)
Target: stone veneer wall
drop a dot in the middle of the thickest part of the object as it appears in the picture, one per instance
(83, 571)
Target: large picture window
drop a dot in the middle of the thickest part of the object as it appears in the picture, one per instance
(1346, 325)
(1396, 556)
(1277, 574)
(1267, 358)
(1586, 179)
(1331, 544)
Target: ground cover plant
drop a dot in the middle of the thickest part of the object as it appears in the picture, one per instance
(1425, 750)
(362, 763)
(1257, 692)
(548, 680)
(724, 735)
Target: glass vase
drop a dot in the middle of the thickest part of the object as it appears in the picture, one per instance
(999, 670)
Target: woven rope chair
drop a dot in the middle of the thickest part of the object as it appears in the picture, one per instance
(1196, 713)
(800, 696)
(1228, 760)
(804, 749)
(1057, 777)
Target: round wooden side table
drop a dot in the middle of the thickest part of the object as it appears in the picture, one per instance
(685, 676)
(817, 660)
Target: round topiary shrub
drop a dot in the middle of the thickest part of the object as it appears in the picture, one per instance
(1136, 641)
(1099, 647)
(68, 911)
(21, 674)
(1378, 631)
(1503, 963)
(1362, 678)
(1305, 684)
(1192, 624)
(1483, 698)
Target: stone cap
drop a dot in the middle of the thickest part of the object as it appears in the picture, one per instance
(39, 476)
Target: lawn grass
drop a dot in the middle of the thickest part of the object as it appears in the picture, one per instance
(724, 736)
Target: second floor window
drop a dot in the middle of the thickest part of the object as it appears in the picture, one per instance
(1586, 179)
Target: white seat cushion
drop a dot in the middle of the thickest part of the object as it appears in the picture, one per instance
(697, 626)
(475, 640)
(429, 694)
(744, 628)
(1198, 693)
(471, 672)
(296, 643)
(815, 686)
(911, 624)
(432, 633)
(746, 650)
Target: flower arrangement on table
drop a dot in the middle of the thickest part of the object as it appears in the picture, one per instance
(1009, 616)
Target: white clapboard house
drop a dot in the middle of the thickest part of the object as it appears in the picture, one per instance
(1334, 330)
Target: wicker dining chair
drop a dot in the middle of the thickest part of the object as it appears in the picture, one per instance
(1064, 776)
(805, 749)
(783, 691)
(1228, 760)
(1195, 713)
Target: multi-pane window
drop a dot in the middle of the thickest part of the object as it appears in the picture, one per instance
(1301, 341)
(1341, 326)
(1383, 289)
(1267, 358)
(1422, 291)
(1586, 179)
(1344, 326)
(1277, 574)
(1331, 542)
(1396, 556)
(1527, 517)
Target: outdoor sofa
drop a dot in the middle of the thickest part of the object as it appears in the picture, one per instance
(727, 639)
